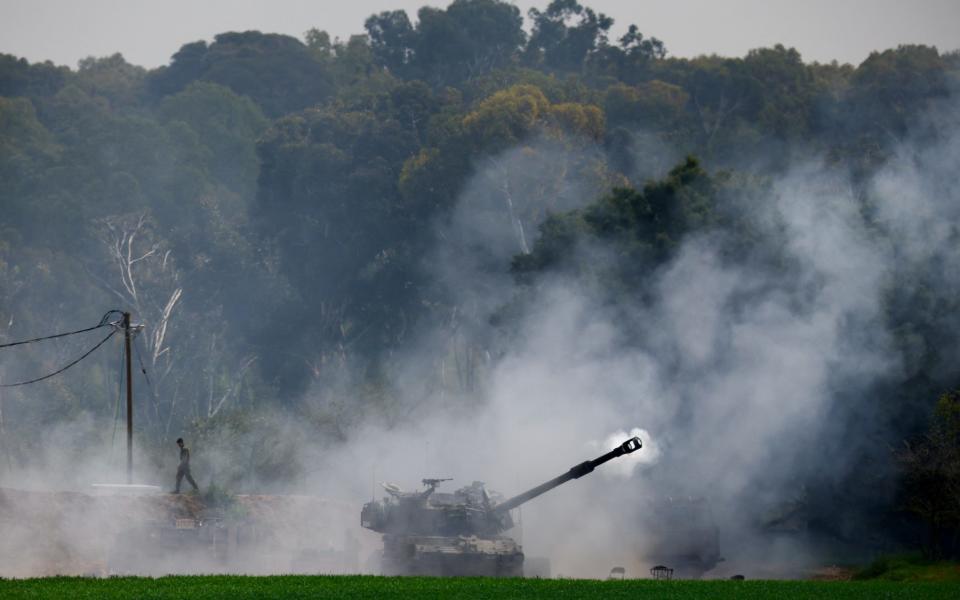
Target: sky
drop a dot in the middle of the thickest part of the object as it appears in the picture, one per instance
(148, 33)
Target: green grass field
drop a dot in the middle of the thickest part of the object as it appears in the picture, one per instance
(910, 567)
(203, 587)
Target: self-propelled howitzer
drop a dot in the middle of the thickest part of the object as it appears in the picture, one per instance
(434, 533)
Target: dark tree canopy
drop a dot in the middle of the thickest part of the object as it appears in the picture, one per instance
(19, 78)
(276, 71)
(448, 46)
(565, 34)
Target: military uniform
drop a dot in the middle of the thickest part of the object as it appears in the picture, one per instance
(183, 470)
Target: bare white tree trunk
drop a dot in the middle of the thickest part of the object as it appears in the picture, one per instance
(146, 274)
(504, 180)
(231, 392)
(712, 120)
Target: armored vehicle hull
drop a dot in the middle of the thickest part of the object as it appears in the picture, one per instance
(457, 556)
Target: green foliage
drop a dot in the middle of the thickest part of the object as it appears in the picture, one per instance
(782, 102)
(113, 78)
(39, 80)
(880, 100)
(506, 118)
(86, 164)
(227, 124)
(561, 44)
(329, 186)
(909, 567)
(579, 119)
(642, 227)
(653, 105)
(469, 38)
(27, 148)
(278, 72)
(931, 469)
(447, 46)
(894, 82)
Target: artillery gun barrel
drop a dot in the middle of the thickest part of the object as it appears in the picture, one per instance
(584, 468)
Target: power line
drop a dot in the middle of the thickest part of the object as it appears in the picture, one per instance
(143, 368)
(103, 323)
(57, 372)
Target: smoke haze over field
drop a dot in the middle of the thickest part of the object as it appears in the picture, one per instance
(744, 377)
(750, 376)
(342, 319)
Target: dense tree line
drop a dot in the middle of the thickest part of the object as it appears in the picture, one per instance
(268, 203)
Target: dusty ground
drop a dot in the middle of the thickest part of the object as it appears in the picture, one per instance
(833, 573)
(71, 533)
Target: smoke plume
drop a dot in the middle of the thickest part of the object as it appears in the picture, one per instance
(744, 377)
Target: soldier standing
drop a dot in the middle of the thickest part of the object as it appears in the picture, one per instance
(183, 469)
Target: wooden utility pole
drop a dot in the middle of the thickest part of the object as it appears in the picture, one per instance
(126, 339)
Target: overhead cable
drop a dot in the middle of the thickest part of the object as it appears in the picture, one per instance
(104, 322)
(48, 376)
(143, 368)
